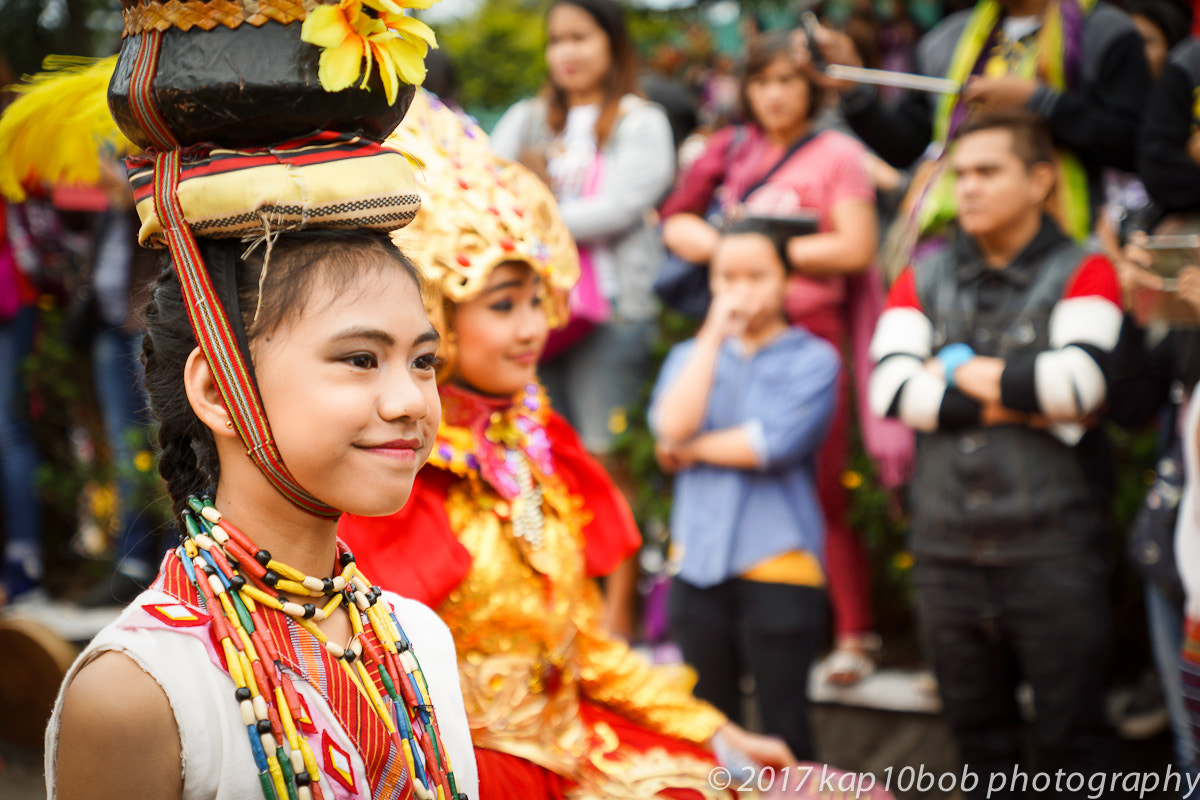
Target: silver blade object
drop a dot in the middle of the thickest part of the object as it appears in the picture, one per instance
(900, 80)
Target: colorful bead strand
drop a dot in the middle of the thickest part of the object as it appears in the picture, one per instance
(235, 580)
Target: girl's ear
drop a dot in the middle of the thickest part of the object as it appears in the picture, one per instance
(204, 396)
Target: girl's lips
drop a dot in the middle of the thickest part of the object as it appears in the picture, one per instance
(525, 359)
(399, 449)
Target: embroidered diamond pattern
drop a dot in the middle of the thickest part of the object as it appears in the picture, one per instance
(176, 615)
(337, 763)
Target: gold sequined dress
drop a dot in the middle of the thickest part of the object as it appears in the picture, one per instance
(503, 536)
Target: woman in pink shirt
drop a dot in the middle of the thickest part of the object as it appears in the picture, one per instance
(780, 164)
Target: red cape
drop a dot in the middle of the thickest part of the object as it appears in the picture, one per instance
(415, 553)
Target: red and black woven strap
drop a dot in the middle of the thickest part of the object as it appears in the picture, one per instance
(208, 317)
(149, 119)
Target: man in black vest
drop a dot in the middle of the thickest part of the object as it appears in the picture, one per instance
(995, 351)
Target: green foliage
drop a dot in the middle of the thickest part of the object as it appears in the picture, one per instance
(498, 53)
(30, 30)
(60, 387)
(78, 475)
(1133, 471)
(634, 445)
(877, 516)
(649, 29)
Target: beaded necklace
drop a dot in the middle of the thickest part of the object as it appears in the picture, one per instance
(234, 578)
(504, 445)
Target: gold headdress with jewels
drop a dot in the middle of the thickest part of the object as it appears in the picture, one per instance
(478, 211)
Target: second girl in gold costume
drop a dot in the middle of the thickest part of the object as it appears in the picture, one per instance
(512, 520)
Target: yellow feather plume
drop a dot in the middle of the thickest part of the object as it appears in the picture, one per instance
(59, 126)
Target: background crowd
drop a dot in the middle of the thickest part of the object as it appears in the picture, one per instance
(666, 154)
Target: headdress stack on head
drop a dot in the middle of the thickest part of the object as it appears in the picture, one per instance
(258, 118)
(478, 211)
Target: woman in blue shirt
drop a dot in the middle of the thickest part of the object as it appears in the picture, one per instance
(740, 411)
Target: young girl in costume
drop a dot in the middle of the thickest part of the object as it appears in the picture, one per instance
(291, 379)
(513, 519)
(344, 358)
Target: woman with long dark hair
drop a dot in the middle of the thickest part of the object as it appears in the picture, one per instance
(608, 156)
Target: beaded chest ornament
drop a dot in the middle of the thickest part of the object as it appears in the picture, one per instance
(235, 578)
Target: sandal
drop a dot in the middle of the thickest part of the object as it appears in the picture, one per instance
(852, 660)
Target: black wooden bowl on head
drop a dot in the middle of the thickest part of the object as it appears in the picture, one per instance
(249, 86)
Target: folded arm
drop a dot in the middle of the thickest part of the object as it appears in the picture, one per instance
(1065, 383)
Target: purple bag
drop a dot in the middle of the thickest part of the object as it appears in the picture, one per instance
(587, 305)
(10, 285)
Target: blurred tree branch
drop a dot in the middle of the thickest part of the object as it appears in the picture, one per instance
(30, 30)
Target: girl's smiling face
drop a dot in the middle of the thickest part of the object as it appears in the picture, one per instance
(348, 385)
(501, 333)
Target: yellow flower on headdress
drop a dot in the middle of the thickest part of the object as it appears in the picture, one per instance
(381, 33)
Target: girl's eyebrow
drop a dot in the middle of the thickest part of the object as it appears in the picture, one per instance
(514, 283)
(430, 334)
(372, 334)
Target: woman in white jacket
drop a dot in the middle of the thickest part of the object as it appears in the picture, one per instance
(609, 157)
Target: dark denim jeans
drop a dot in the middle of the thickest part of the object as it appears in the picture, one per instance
(773, 631)
(120, 390)
(1164, 617)
(18, 452)
(989, 628)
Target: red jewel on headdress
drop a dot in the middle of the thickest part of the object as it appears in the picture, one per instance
(506, 243)
(463, 260)
(552, 678)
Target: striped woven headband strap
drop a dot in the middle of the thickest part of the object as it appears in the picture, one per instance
(145, 67)
(206, 314)
(218, 342)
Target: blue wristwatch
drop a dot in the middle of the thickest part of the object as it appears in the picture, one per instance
(954, 356)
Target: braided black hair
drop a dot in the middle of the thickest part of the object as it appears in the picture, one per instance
(187, 451)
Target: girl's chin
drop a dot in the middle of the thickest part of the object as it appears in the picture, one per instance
(500, 388)
(384, 500)
(508, 390)
(378, 508)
